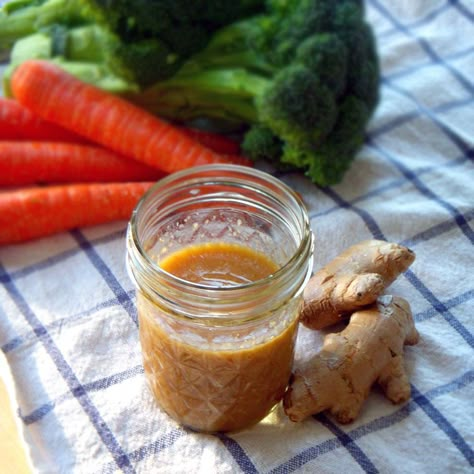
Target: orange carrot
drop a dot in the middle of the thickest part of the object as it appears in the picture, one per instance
(59, 97)
(49, 162)
(237, 160)
(30, 213)
(213, 141)
(19, 123)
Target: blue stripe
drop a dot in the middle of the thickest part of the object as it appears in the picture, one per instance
(238, 454)
(402, 119)
(60, 257)
(398, 121)
(306, 456)
(59, 323)
(418, 67)
(364, 462)
(420, 22)
(423, 189)
(148, 450)
(455, 384)
(440, 307)
(157, 446)
(122, 296)
(42, 411)
(378, 424)
(364, 215)
(109, 440)
(436, 230)
(119, 377)
(444, 425)
(95, 386)
(464, 147)
(13, 344)
(451, 303)
(389, 420)
(463, 10)
(397, 183)
(424, 45)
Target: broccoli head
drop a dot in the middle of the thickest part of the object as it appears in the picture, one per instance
(300, 77)
(307, 69)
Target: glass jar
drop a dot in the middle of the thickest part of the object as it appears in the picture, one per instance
(218, 358)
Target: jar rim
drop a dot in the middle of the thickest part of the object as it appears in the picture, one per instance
(220, 171)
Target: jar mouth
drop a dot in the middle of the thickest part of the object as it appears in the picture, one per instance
(274, 190)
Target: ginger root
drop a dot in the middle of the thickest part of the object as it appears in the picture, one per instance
(368, 350)
(352, 280)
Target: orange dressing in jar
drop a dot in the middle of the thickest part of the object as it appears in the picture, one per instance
(219, 255)
(219, 264)
(209, 389)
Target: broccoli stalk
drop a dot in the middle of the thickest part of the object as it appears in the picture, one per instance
(304, 76)
(96, 55)
(87, 49)
(140, 42)
(19, 18)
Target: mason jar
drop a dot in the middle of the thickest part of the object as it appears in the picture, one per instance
(219, 255)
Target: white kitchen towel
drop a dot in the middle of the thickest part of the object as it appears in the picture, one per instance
(68, 323)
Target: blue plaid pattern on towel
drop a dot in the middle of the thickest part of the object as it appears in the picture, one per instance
(68, 324)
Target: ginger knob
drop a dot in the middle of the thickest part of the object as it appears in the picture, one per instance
(368, 350)
(352, 280)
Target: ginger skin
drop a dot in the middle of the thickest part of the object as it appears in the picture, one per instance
(352, 280)
(368, 350)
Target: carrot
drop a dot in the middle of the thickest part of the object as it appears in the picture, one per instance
(238, 160)
(24, 163)
(19, 123)
(213, 141)
(30, 213)
(59, 97)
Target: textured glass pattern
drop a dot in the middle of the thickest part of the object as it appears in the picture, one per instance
(209, 389)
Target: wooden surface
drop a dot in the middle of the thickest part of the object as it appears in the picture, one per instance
(13, 457)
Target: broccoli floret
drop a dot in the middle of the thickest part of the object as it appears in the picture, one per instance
(261, 143)
(297, 106)
(327, 56)
(329, 161)
(303, 76)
